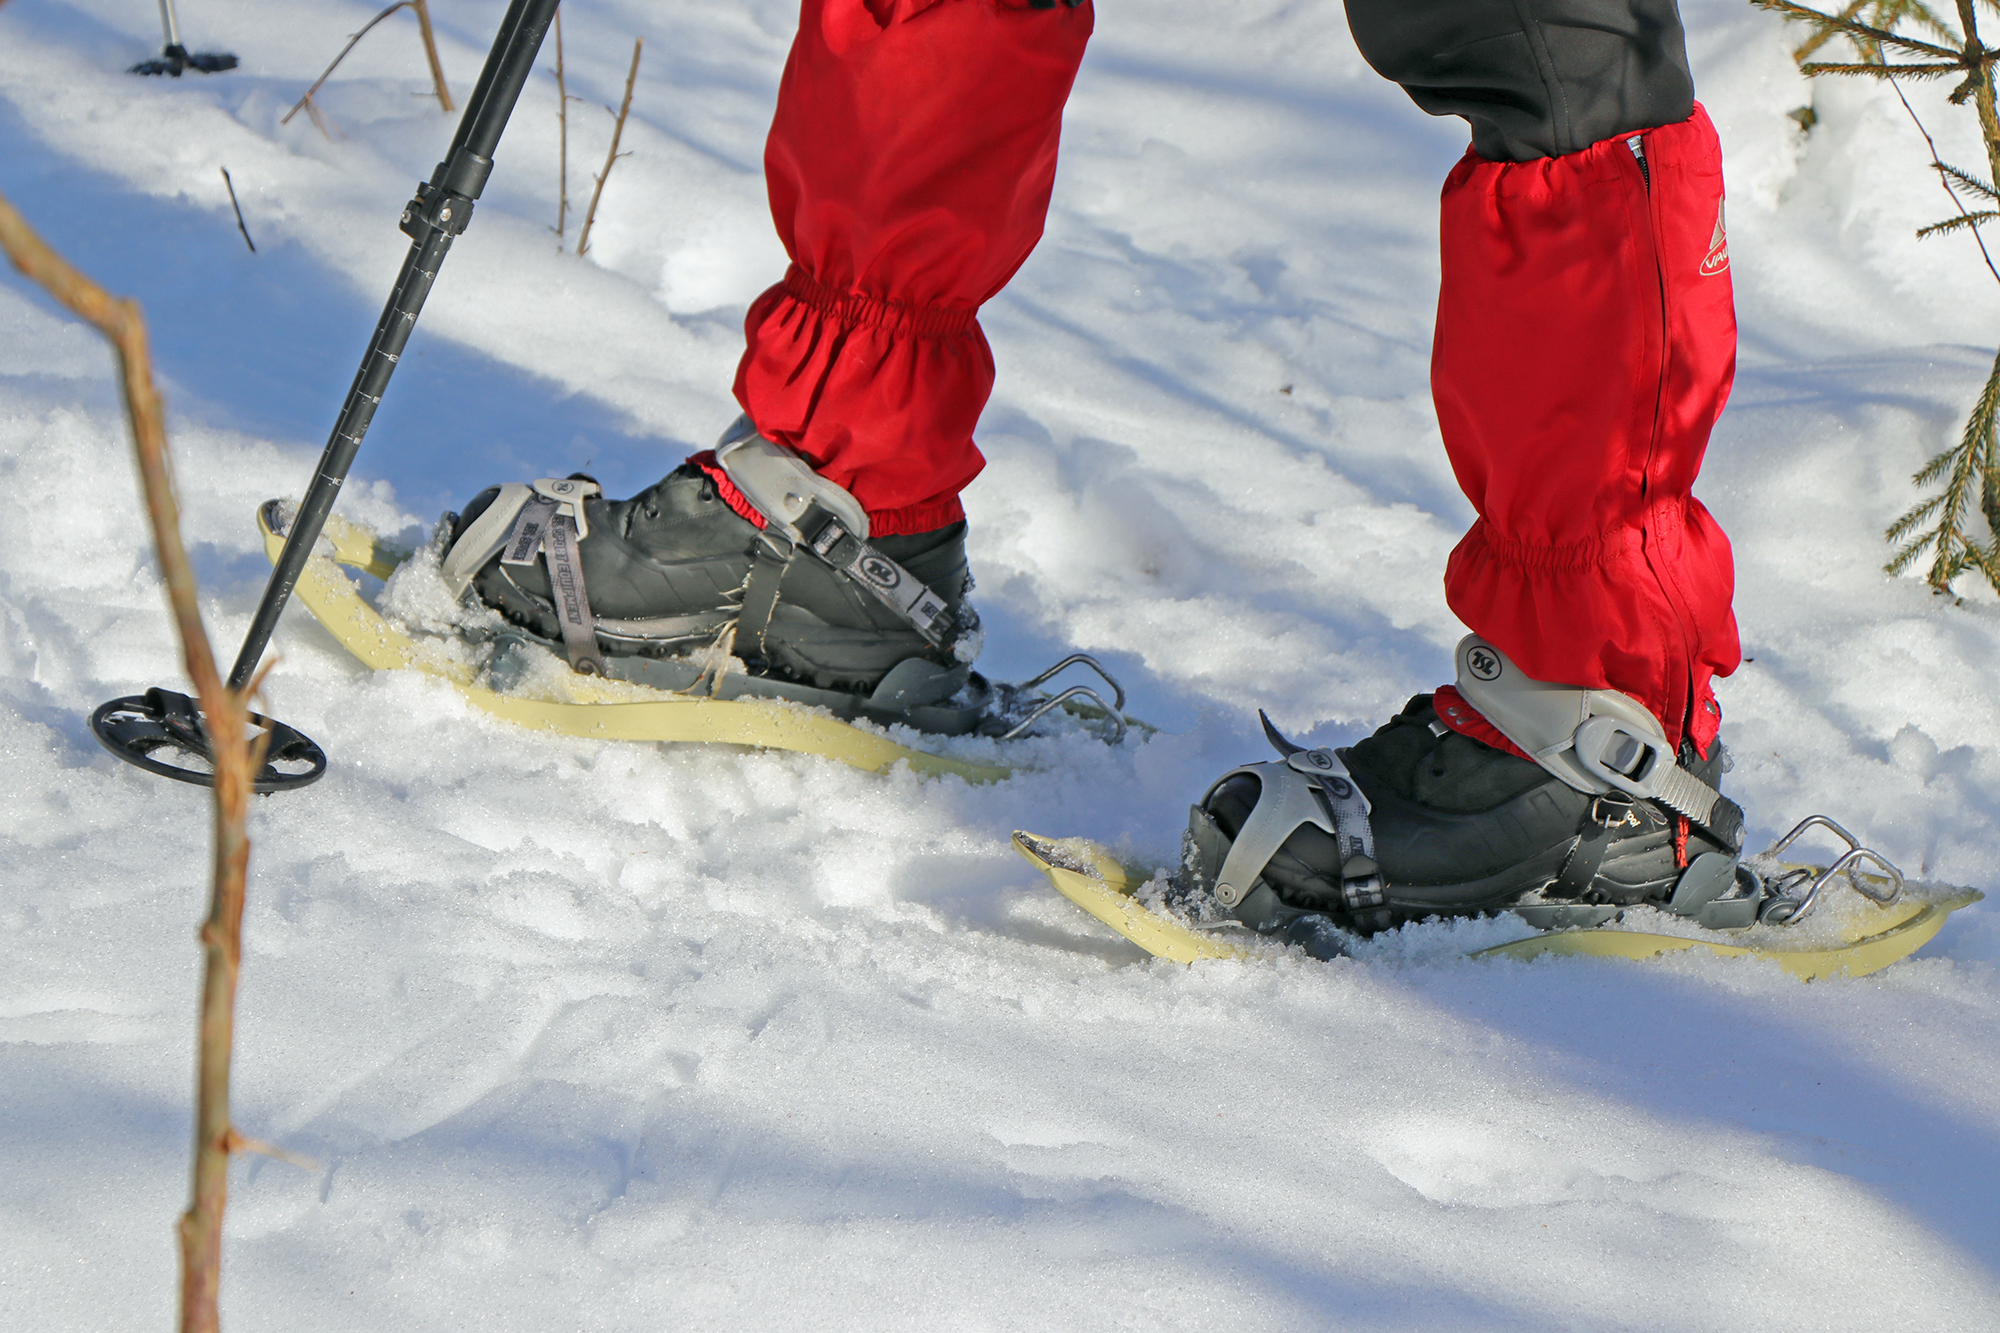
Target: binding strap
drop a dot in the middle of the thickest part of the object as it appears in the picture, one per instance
(550, 521)
(1306, 787)
(896, 587)
(825, 519)
(483, 538)
(1595, 740)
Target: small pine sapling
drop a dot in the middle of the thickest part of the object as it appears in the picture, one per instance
(1943, 524)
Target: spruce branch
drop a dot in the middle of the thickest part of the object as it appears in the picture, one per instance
(1986, 560)
(1945, 176)
(1969, 471)
(1911, 521)
(1959, 223)
(1882, 14)
(1877, 70)
(1824, 34)
(1964, 177)
(1971, 463)
(1850, 27)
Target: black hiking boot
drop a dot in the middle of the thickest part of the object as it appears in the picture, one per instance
(675, 568)
(1419, 820)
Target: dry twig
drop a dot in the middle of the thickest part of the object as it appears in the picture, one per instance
(239, 211)
(422, 7)
(563, 99)
(617, 132)
(431, 54)
(225, 716)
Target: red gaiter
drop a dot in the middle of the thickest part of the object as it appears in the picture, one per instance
(1586, 339)
(909, 168)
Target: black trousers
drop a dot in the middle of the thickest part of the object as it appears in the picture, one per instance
(1535, 78)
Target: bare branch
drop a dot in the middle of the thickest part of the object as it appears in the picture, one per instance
(611, 158)
(239, 1142)
(563, 100)
(239, 211)
(431, 54)
(225, 717)
(306, 104)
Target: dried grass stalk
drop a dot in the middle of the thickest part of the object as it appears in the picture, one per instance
(422, 8)
(225, 715)
(611, 158)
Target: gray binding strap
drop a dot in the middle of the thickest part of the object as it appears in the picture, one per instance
(531, 525)
(1594, 740)
(760, 600)
(827, 520)
(906, 594)
(549, 519)
(572, 601)
(487, 534)
(1309, 787)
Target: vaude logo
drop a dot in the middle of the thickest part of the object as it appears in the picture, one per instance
(1717, 258)
(1483, 663)
(880, 572)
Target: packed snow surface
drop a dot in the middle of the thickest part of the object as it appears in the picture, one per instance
(595, 1036)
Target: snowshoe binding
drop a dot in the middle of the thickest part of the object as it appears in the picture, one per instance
(1420, 820)
(676, 590)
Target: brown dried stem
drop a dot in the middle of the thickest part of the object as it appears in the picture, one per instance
(311, 108)
(239, 211)
(563, 99)
(617, 132)
(431, 54)
(237, 757)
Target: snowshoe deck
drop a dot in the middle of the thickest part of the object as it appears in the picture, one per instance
(598, 709)
(1096, 881)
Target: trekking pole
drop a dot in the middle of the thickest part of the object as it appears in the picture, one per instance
(135, 727)
(175, 57)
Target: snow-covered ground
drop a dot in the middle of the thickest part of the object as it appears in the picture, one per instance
(618, 1037)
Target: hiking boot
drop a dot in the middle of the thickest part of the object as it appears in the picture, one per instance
(1420, 820)
(807, 597)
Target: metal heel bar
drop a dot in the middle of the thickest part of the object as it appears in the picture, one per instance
(1844, 865)
(1111, 712)
(1082, 659)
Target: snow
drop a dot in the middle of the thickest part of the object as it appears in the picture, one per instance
(611, 1037)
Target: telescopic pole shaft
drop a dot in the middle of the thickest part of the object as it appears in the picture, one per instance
(433, 220)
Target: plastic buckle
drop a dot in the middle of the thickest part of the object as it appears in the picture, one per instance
(569, 493)
(1613, 752)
